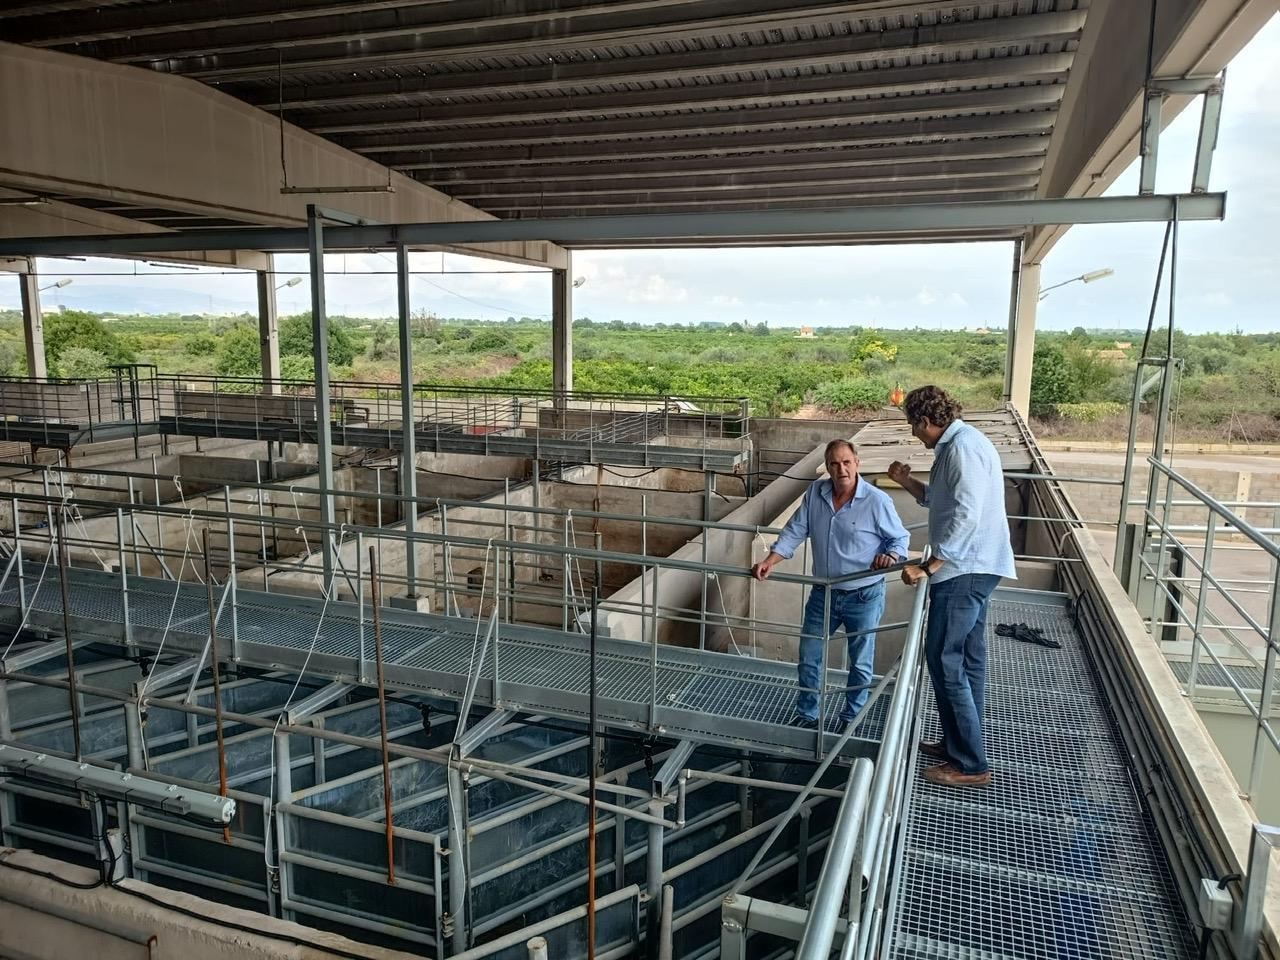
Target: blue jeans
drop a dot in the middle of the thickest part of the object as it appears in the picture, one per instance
(858, 611)
(955, 647)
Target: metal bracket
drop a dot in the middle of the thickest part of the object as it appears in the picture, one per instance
(1157, 91)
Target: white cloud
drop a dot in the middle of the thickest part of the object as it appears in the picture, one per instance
(926, 297)
(655, 288)
(724, 300)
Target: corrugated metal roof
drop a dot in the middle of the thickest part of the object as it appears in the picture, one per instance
(457, 93)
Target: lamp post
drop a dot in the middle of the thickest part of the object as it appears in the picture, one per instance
(1089, 277)
(291, 282)
(59, 284)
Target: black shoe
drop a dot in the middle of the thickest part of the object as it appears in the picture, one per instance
(803, 722)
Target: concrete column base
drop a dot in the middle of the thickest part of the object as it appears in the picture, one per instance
(422, 604)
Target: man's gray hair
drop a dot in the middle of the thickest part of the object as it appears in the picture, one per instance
(836, 445)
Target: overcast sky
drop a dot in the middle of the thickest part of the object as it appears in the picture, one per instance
(1229, 273)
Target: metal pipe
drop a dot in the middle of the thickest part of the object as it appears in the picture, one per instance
(692, 774)
(824, 914)
(591, 783)
(382, 717)
(664, 925)
(653, 875)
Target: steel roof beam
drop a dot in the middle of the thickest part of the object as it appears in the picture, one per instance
(849, 158)
(582, 185)
(1038, 68)
(453, 25)
(755, 193)
(735, 121)
(827, 221)
(814, 200)
(409, 37)
(903, 132)
(930, 41)
(832, 240)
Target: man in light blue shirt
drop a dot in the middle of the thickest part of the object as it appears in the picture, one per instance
(852, 527)
(969, 534)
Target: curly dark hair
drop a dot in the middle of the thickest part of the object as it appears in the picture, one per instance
(933, 404)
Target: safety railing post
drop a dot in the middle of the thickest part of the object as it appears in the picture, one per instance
(653, 647)
(564, 580)
(824, 634)
(17, 549)
(1197, 638)
(1247, 928)
(124, 581)
(1126, 484)
(360, 602)
(1268, 689)
(450, 603)
(231, 576)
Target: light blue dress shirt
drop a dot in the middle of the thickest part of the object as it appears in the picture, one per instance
(845, 540)
(968, 526)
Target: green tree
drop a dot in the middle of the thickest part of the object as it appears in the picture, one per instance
(1051, 380)
(76, 328)
(295, 340)
(200, 345)
(82, 363)
(239, 354)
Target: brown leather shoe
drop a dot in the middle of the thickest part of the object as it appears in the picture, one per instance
(945, 775)
(934, 751)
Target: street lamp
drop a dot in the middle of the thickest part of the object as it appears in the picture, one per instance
(64, 282)
(1089, 277)
(291, 282)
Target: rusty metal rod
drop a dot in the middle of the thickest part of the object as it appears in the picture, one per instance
(217, 678)
(73, 692)
(382, 714)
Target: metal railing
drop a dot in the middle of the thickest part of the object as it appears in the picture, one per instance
(1172, 579)
(175, 400)
(507, 563)
(860, 853)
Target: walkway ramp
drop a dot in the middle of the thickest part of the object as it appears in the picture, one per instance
(1057, 859)
(671, 692)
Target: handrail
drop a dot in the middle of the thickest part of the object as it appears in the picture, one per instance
(862, 823)
(1239, 523)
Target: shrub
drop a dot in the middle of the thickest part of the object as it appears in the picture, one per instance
(1087, 412)
(82, 363)
(491, 341)
(239, 354)
(295, 340)
(851, 393)
(200, 345)
(74, 328)
(1051, 381)
(981, 363)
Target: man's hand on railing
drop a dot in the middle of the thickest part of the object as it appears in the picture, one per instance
(762, 569)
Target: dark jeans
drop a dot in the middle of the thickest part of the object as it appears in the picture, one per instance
(859, 612)
(955, 647)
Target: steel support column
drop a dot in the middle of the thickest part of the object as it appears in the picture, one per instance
(269, 328)
(33, 324)
(562, 327)
(320, 354)
(1022, 340)
(408, 455)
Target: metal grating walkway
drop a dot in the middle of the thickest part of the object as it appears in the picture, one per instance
(702, 696)
(1057, 859)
